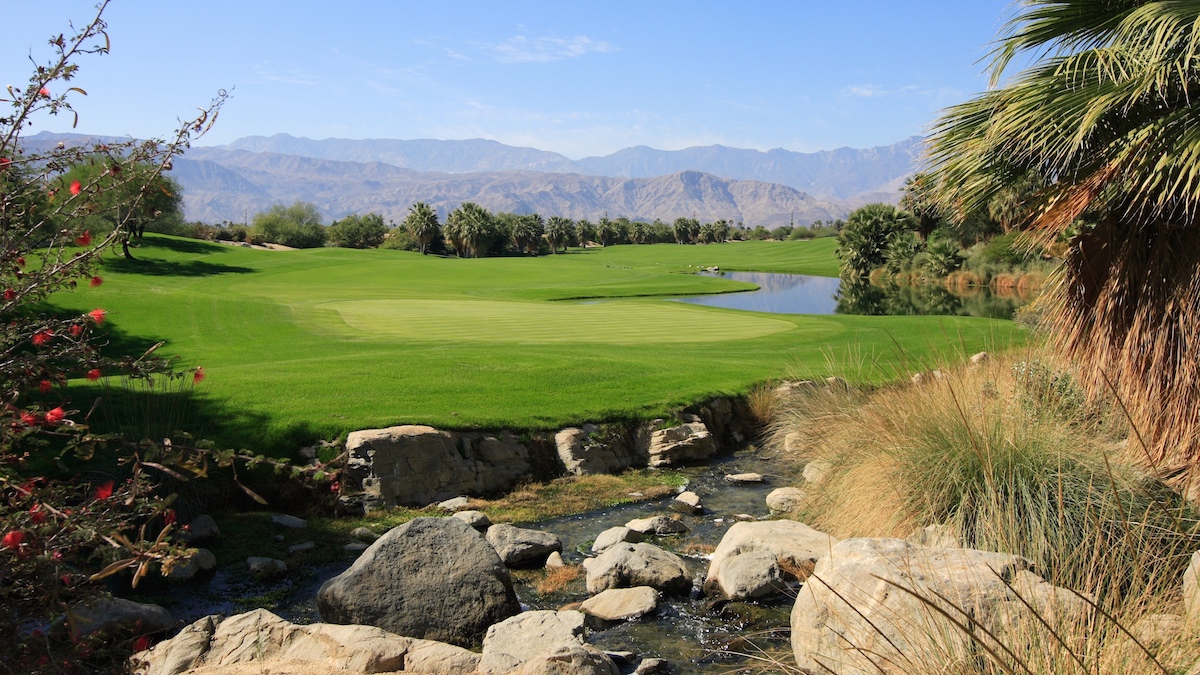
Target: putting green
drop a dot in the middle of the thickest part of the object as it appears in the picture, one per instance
(613, 322)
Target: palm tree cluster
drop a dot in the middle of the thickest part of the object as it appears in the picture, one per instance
(1098, 142)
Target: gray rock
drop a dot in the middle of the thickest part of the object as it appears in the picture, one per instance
(795, 388)
(284, 520)
(981, 357)
(793, 442)
(102, 613)
(355, 547)
(585, 660)
(268, 643)
(202, 528)
(856, 621)
(691, 442)
(302, 547)
(775, 545)
(657, 525)
(816, 471)
(615, 535)
(918, 378)
(744, 478)
(627, 565)
(837, 382)
(554, 561)
(476, 519)
(786, 499)
(621, 657)
(687, 502)
(363, 534)
(419, 465)
(518, 546)
(529, 635)
(454, 503)
(622, 604)
(265, 566)
(202, 560)
(582, 452)
(653, 667)
(935, 536)
(431, 578)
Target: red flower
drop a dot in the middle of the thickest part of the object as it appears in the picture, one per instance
(96, 281)
(13, 539)
(9, 295)
(141, 644)
(85, 238)
(169, 516)
(335, 486)
(198, 376)
(44, 91)
(29, 419)
(21, 261)
(55, 415)
(104, 491)
(97, 315)
(45, 386)
(4, 162)
(76, 187)
(42, 337)
(37, 515)
(76, 330)
(93, 374)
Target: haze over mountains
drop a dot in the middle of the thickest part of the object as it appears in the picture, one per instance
(341, 176)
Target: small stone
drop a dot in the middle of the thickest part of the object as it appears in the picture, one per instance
(284, 520)
(202, 560)
(476, 519)
(917, 378)
(792, 442)
(687, 502)
(658, 525)
(653, 667)
(745, 478)
(634, 494)
(265, 566)
(202, 527)
(279, 538)
(981, 357)
(937, 374)
(554, 561)
(719, 521)
(837, 382)
(815, 471)
(623, 657)
(363, 534)
(622, 604)
(302, 547)
(354, 547)
(454, 504)
(744, 517)
(615, 535)
(786, 499)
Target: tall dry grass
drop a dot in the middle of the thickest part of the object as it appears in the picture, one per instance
(1015, 457)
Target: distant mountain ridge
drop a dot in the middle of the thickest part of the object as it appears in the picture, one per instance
(844, 173)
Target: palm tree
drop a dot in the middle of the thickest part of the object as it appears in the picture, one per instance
(558, 232)
(527, 233)
(585, 231)
(422, 224)
(470, 228)
(1106, 116)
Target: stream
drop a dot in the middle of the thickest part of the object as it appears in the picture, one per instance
(695, 634)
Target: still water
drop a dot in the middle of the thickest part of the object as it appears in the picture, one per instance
(801, 294)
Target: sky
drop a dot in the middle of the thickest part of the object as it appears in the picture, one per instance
(578, 78)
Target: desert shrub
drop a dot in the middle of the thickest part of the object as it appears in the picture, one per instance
(297, 226)
(355, 231)
(401, 239)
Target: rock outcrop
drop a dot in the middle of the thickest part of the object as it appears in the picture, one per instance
(272, 644)
(857, 613)
(418, 464)
(431, 578)
(754, 559)
(584, 451)
(684, 444)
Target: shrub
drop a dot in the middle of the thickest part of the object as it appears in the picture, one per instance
(297, 226)
(942, 258)
(863, 243)
(355, 231)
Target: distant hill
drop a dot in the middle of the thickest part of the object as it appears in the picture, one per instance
(222, 184)
(845, 173)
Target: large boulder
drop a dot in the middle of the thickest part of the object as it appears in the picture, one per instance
(858, 614)
(684, 444)
(529, 637)
(418, 464)
(615, 535)
(583, 451)
(626, 565)
(622, 604)
(786, 499)
(272, 644)
(103, 613)
(431, 578)
(657, 525)
(518, 546)
(754, 559)
(583, 660)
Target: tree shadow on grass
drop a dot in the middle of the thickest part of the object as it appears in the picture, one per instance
(173, 268)
(194, 246)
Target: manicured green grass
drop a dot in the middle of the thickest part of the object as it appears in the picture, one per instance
(314, 343)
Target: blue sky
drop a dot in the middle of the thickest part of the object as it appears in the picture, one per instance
(580, 78)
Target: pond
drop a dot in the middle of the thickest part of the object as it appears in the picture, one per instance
(802, 294)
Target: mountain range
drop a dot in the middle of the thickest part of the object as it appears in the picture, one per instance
(771, 188)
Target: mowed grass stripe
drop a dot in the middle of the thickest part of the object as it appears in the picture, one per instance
(614, 322)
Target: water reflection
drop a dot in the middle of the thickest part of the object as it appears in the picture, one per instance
(801, 294)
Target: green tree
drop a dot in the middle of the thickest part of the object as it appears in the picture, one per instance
(355, 231)
(138, 196)
(422, 224)
(474, 227)
(1105, 112)
(297, 226)
(610, 232)
(863, 244)
(686, 230)
(585, 231)
(920, 200)
(527, 233)
(639, 233)
(558, 232)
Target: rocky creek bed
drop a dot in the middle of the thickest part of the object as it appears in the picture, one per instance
(694, 633)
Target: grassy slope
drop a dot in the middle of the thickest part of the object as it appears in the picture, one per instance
(269, 329)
